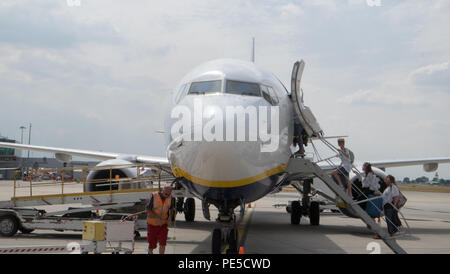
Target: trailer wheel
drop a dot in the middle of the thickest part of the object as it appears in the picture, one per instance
(8, 225)
(26, 230)
(137, 235)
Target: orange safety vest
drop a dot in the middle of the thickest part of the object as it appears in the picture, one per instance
(160, 209)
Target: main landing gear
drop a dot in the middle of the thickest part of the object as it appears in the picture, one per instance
(305, 207)
(187, 207)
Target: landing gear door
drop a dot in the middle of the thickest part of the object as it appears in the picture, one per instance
(304, 113)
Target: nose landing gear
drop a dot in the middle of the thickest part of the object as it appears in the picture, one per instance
(226, 234)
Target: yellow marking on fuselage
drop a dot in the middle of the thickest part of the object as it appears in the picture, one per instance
(231, 183)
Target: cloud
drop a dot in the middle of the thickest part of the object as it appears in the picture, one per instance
(379, 97)
(48, 25)
(436, 76)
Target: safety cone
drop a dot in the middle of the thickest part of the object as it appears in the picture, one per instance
(241, 250)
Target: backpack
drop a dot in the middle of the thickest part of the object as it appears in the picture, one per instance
(352, 156)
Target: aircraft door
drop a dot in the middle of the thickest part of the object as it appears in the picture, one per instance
(304, 113)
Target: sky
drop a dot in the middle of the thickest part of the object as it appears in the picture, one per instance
(94, 74)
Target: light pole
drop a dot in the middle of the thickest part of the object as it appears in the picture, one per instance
(21, 134)
(21, 158)
(29, 140)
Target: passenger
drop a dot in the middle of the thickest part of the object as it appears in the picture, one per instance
(370, 183)
(390, 201)
(345, 166)
(299, 134)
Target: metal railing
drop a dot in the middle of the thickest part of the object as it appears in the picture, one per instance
(356, 188)
(61, 177)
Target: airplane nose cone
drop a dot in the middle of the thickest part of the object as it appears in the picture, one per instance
(215, 155)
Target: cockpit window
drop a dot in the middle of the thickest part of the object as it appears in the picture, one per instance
(242, 88)
(205, 87)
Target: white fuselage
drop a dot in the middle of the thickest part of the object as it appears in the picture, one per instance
(217, 152)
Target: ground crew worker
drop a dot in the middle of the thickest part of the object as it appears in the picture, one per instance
(159, 216)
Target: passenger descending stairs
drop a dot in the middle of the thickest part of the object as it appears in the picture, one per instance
(299, 166)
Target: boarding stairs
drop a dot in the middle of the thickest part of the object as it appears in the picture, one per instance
(299, 166)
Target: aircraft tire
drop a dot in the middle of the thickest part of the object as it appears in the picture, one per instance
(179, 204)
(189, 210)
(216, 241)
(232, 242)
(314, 213)
(296, 212)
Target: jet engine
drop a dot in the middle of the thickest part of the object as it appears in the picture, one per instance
(430, 167)
(98, 179)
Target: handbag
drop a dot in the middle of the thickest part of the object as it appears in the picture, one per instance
(401, 200)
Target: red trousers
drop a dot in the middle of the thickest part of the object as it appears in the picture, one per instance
(156, 234)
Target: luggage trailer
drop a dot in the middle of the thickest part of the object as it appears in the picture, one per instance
(20, 214)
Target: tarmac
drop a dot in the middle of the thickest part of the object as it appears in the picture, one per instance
(266, 228)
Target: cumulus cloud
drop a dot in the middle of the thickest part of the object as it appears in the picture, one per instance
(434, 75)
(378, 97)
(47, 25)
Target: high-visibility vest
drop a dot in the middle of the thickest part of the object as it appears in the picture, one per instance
(160, 209)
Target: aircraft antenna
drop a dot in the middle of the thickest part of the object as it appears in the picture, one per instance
(253, 49)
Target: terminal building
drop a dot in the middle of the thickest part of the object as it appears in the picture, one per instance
(11, 160)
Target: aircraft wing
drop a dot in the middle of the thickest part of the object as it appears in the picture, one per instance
(410, 162)
(100, 155)
(429, 164)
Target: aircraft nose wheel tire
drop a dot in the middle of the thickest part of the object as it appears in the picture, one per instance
(314, 213)
(296, 212)
(216, 241)
(8, 226)
(189, 210)
(232, 242)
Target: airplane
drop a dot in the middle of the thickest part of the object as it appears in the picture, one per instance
(215, 156)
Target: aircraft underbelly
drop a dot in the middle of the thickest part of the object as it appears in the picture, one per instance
(248, 193)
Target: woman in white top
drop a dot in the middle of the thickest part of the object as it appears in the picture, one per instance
(370, 183)
(390, 201)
